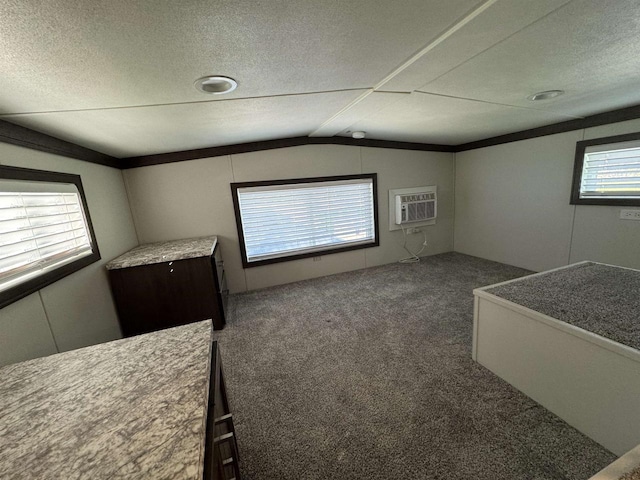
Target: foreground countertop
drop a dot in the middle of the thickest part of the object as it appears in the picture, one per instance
(132, 408)
(627, 467)
(160, 252)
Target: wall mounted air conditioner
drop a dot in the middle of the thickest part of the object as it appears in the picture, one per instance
(416, 207)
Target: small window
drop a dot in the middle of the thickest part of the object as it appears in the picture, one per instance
(607, 171)
(45, 230)
(290, 219)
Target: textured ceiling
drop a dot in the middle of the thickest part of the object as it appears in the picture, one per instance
(117, 76)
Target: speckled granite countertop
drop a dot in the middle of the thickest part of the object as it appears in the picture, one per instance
(159, 252)
(627, 467)
(599, 298)
(128, 409)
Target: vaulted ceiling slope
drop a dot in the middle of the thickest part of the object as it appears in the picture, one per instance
(118, 76)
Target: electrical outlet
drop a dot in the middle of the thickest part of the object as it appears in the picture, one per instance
(630, 214)
(317, 259)
(412, 230)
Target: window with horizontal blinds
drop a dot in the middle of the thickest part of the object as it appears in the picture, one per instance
(305, 217)
(44, 230)
(613, 173)
(607, 171)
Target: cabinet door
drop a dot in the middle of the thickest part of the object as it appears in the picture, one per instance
(163, 295)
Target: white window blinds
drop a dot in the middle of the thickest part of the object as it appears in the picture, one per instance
(612, 173)
(42, 226)
(285, 220)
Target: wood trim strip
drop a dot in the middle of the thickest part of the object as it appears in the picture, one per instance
(615, 116)
(25, 137)
(147, 160)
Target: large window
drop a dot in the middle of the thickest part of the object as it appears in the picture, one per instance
(45, 230)
(607, 171)
(289, 219)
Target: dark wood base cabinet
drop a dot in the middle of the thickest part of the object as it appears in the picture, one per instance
(162, 295)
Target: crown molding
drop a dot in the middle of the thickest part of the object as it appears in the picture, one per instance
(25, 137)
(614, 116)
(147, 160)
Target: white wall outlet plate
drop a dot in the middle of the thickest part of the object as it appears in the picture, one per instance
(630, 214)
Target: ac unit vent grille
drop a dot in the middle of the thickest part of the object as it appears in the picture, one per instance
(418, 207)
(420, 211)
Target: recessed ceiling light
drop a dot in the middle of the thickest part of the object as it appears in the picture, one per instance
(358, 134)
(216, 85)
(546, 95)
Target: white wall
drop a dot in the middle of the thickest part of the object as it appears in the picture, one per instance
(77, 310)
(512, 206)
(193, 198)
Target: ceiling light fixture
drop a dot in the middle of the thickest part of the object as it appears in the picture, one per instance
(358, 135)
(216, 85)
(546, 95)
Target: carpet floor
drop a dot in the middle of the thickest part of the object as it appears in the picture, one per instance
(368, 375)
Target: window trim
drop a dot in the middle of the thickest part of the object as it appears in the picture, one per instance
(32, 285)
(577, 172)
(292, 181)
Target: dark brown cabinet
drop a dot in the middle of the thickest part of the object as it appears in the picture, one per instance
(161, 295)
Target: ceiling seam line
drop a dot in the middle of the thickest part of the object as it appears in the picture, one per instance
(344, 109)
(350, 126)
(437, 41)
(195, 102)
(414, 58)
(495, 44)
(574, 117)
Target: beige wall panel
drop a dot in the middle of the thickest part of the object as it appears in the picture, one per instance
(598, 232)
(24, 332)
(599, 235)
(405, 169)
(188, 199)
(297, 162)
(193, 198)
(512, 201)
(287, 272)
(80, 307)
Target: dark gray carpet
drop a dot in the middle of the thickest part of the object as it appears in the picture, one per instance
(595, 297)
(368, 375)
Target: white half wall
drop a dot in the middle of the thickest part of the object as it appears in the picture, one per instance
(77, 310)
(512, 206)
(193, 198)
